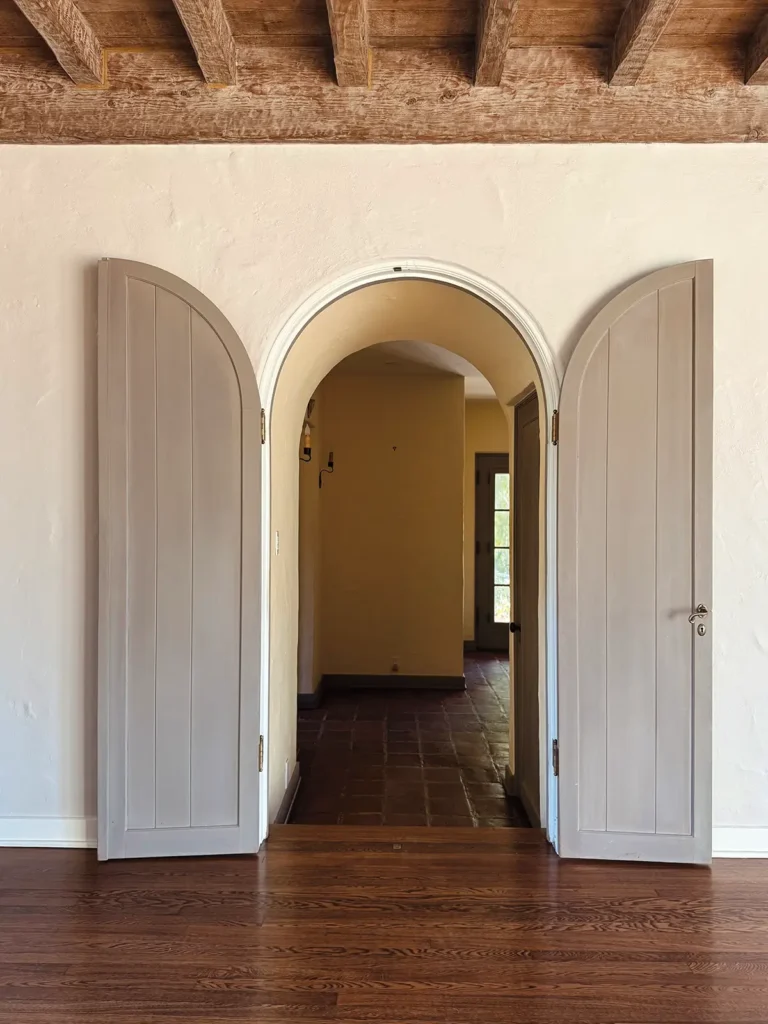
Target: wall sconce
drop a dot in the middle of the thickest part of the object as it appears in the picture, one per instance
(328, 470)
(306, 455)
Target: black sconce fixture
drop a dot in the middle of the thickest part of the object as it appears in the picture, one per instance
(306, 455)
(328, 470)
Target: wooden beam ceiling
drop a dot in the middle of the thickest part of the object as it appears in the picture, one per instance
(494, 29)
(553, 65)
(756, 66)
(156, 97)
(351, 48)
(639, 31)
(69, 35)
(211, 37)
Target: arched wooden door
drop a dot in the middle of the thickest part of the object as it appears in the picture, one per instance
(179, 464)
(635, 576)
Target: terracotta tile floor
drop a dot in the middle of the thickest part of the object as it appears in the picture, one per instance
(400, 757)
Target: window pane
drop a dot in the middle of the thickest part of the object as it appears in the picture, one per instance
(501, 566)
(501, 606)
(501, 529)
(501, 497)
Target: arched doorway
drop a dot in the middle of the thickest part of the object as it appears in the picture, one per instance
(328, 326)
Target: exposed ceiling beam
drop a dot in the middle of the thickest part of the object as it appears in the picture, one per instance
(494, 31)
(156, 97)
(639, 30)
(756, 65)
(69, 35)
(494, 28)
(211, 37)
(351, 49)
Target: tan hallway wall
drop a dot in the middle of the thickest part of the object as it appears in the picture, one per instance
(391, 525)
(309, 669)
(486, 429)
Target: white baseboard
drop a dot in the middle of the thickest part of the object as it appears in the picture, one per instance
(740, 841)
(77, 833)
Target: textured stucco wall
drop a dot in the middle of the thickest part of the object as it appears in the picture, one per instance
(257, 229)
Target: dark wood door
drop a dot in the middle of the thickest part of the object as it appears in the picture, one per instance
(526, 606)
(492, 564)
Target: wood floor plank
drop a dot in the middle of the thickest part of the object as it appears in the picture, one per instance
(331, 925)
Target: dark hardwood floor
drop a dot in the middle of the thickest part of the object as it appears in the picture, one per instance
(391, 925)
(410, 757)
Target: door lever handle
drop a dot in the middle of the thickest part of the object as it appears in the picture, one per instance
(701, 613)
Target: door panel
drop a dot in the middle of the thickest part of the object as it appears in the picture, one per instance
(492, 585)
(634, 521)
(526, 609)
(179, 616)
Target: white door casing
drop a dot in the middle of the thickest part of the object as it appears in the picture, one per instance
(179, 557)
(550, 376)
(634, 562)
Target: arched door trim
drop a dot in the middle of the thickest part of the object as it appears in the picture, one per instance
(550, 376)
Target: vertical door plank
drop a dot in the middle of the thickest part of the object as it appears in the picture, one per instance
(591, 593)
(141, 556)
(674, 562)
(217, 530)
(174, 559)
(631, 570)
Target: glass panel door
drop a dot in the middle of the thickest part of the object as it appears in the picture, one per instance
(493, 600)
(502, 606)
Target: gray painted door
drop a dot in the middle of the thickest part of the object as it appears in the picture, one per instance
(634, 562)
(179, 467)
(526, 576)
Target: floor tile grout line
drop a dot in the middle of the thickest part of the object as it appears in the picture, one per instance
(456, 729)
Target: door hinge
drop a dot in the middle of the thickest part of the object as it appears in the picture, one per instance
(263, 427)
(555, 426)
(261, 753)
(555, 758)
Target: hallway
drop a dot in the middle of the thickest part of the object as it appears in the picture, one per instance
(407, 758)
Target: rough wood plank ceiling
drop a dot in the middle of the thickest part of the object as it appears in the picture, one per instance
(383, 70)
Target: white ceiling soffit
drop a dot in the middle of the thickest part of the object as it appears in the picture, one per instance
(417, 357)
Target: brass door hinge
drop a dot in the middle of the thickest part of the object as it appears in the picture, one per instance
(261, 753)
(555, 758)
(555, 426)
(263, 427)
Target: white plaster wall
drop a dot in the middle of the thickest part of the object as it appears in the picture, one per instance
(257, 229)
